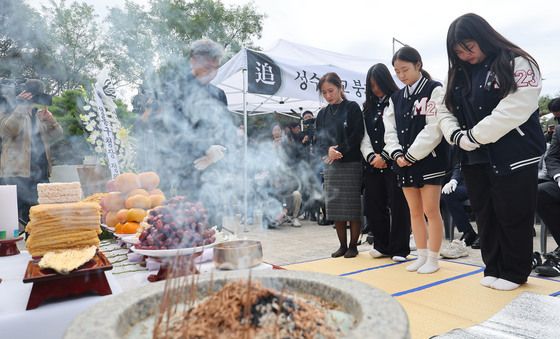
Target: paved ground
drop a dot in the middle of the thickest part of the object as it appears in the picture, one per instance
(288, 245)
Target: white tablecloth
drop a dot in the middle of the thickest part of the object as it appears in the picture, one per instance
(50, 320)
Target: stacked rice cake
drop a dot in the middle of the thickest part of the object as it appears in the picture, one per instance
(55, 227)
(59, 192)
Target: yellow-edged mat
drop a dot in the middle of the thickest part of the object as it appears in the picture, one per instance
(435, 303)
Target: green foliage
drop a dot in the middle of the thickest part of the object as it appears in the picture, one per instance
(74, 36)
(126, 117)
(24, 48)
(543, 104)
(164, 31)
(65, 110)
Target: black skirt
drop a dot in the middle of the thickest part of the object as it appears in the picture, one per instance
(343, 186)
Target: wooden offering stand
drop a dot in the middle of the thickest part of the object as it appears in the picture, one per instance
(9, 247)
(48, 284)
(166, 267)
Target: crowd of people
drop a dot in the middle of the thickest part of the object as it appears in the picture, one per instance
(398, 158)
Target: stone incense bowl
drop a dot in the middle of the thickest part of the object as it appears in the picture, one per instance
(374, 313)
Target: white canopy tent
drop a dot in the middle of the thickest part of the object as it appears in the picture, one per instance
(284, 79)
(295, 71)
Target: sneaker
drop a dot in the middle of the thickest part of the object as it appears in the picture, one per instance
(455, 249)
(296, 222)
(551, 266)
(286, 221)
(537, 261)
(376, 254)
(412, 243)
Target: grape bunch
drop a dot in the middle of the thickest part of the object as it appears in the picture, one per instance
(177, 224)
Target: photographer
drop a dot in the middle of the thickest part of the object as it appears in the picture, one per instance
(308, 128)
(27, 129)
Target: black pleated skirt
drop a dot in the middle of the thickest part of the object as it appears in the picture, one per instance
(343, 185)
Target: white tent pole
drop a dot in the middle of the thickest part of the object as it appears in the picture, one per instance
(245, 152)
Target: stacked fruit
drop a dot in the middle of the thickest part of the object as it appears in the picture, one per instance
(130, 196)
(177, 224)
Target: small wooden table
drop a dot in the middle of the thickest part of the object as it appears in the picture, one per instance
(48, 284)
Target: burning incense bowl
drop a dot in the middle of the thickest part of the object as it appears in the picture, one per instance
(238, 254)
(372, 312)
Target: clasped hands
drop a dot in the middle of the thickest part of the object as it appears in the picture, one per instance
(378, 161)
(465, 143)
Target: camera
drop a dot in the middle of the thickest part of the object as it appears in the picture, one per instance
(10, 89)
(309, 127)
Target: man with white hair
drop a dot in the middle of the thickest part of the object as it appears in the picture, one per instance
(205, 56)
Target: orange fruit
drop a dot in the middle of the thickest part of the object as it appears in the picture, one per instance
(118, 228)
(138, 201)
(149, 180)
(156, 200)
(138, 191)
(135, 214)
(113, 201)
(130, 227)
(111, 219)
(127, 182)
(121, 215)
(156, 191)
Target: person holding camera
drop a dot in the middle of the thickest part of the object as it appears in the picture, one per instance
(27, 130)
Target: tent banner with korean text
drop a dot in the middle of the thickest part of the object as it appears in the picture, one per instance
(286, 77)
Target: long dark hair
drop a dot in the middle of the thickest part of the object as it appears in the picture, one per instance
(410, 54)
(382, 77)
(333, 79)
(494, 45)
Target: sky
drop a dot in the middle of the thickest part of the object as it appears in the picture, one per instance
(367, 28)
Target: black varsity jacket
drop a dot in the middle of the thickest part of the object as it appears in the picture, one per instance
(509, 126)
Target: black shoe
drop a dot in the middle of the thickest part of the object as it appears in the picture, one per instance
(340, 252)
(476, 244)
(351, 252)
(537, 261)
(551, 267)
(469, 237)
(365, 229)
(369, 238)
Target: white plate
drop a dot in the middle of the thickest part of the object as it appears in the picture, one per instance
(131, 239)
(124, 235)
(172, 252)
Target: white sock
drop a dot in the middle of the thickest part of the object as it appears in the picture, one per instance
(398, 258)
(488, 280)
(431, 264)
(504, 285)
(422, 257)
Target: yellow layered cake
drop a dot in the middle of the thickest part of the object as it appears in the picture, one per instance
(55, 227)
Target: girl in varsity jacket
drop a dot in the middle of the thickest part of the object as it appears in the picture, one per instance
(490, 110)
(414, 141)
(384, 203)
